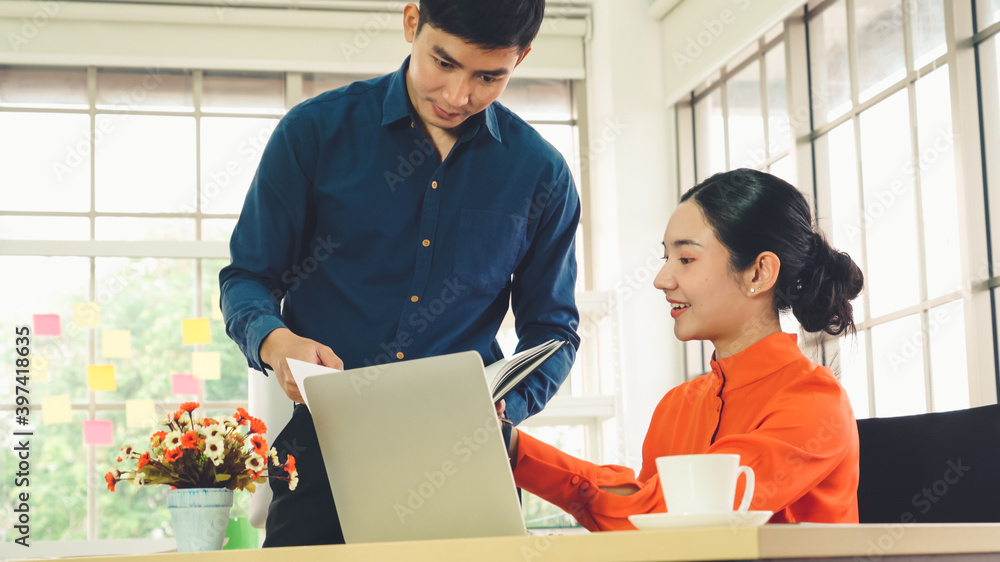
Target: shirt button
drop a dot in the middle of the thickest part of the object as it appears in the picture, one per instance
(426, 243)
(414, 298)
(412, 125)
(399, 355)
(574, 480)
(434, 185)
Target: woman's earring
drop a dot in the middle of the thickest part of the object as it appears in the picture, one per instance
(752, 290)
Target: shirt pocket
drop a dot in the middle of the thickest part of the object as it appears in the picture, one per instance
(487, 248)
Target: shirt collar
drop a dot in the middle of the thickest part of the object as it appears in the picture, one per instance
(397, 106)
(761, 359)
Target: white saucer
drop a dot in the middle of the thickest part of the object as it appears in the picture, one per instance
(675, 520)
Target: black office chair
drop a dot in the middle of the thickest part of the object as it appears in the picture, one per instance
(941, 467)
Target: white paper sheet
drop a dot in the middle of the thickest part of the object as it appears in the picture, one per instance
(302, 370)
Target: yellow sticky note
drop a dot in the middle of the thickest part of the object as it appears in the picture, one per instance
(216, 311)
(206, 365)
(140, 413)
(86, 315)
(196, 330)
(56, 409)
(116, 343)
(38, 368)
(101, 377)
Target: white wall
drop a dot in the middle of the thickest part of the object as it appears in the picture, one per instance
(631, 158)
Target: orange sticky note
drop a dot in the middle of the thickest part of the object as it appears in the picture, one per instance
(97, 432)
(47, 325)
(116, 343)
(101, 377)
(140, 413)
(86, 315)
(56, 409)
(196, 330)
(38, 368)
(206, 365)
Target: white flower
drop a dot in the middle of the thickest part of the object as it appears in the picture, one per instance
(126, 451)
(230, 421)
(140, 479)
(115, 473)
(255, 463)
(273, 455)
(172, 440)
(293, 480)
(213, 431)
(215, 449)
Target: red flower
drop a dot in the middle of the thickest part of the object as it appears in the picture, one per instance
(190, 440)
(158, 436)
(242, 416)
(189, 406)
(173, 454)
(119, 459)
(259, 445)
(110, 479)
(257, 426)
(209, 421)
(176, 416)
(143, 460)
(290, 464)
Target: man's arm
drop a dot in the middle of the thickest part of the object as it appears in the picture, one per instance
(543, 295)
(265, 245)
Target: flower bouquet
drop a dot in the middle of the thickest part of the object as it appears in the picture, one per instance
(193, 452)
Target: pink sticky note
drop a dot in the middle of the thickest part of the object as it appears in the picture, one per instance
(184, 384)
(47, 325)
(97, 432)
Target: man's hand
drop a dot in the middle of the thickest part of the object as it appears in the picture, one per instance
(282, 343)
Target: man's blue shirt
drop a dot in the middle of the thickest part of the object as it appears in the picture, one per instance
(383, 254)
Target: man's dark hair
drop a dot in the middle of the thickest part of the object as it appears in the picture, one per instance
(490, 24)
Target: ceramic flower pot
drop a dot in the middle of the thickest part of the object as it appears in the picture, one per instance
(200, 516)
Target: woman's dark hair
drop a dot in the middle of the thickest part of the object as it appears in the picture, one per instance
(490, 24)
(753, 212)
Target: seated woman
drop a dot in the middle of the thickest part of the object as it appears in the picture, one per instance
(739, 249)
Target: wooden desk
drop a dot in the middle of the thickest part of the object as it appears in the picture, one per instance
(857, 543)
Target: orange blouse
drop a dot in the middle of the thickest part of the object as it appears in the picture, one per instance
(788, 419)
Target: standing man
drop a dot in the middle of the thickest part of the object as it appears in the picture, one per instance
(397, 217)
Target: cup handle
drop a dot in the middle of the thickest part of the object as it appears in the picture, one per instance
(748, 491)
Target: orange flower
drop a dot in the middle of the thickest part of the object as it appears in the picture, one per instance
(290, 464)
(190, 440)
(173, 454)
(110, 479)
(158, 436)
(208, 422)
(259, 444)
(143, 460)
(257, 426)
(189, 406)
(242, 416)
(119, 459)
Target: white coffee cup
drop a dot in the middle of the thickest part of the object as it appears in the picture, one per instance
(703, 483)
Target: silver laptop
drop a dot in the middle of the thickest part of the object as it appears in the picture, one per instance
(414, 451)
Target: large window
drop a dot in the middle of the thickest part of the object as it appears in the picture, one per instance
(120, 188)
(892, 152)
